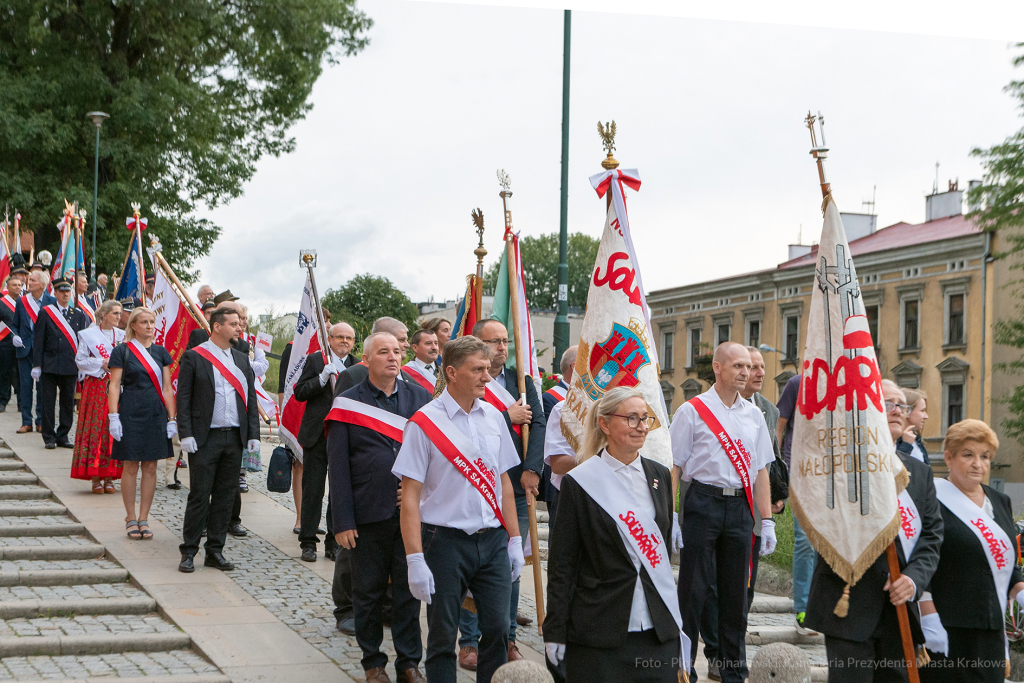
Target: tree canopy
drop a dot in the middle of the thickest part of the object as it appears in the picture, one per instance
(540, 267)
(365, 298)
(197, 93)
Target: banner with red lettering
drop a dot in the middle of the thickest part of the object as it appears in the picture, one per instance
(617, 344)
(304, 343)
(845, 474)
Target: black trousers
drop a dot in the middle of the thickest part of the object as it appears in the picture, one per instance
(641, 659)
(460, 562)
(879, 659)
(49, 385)
(718, 531)
(975, 656)
(314, 482)
(341, 587)
(213, 477)
(8, 371)
(379, 555)
(709, 617)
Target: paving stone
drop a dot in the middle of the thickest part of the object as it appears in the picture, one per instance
(174, 662)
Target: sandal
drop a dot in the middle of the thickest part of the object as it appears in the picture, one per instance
(135, 534)
(97, 486)
(146, 534)
(108, 487)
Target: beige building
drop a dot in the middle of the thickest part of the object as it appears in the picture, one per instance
(931, 293)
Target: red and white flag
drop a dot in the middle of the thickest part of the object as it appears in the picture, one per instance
(173, 322)
(5, 256)
(304, 343)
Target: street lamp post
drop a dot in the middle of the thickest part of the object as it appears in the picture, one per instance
(561, 331)
(97, 118)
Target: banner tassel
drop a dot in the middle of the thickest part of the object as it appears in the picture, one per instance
(843, 606)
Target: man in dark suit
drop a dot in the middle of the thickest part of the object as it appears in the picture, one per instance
(314, 388)
(8, 358)
(54, 346)
(215, 422)
(26, 311)
(525, 478)
(366, 500)
(869, 635)
(357, 373)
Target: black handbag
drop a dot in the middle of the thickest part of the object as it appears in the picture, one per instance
(279, 472)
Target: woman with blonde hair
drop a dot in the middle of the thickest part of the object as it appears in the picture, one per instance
(613, 611)
(96, 343)
(917, 413)
(142, 417)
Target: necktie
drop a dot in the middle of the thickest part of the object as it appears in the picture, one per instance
(67, 314)
(433, 369)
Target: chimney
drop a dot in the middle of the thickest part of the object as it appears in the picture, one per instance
(971, 184)
(858, 225)
(798, 250)
(944, 204)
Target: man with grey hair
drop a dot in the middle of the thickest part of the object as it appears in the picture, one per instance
(357, 373)
(204, 294)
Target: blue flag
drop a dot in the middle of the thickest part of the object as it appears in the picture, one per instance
(133, 279)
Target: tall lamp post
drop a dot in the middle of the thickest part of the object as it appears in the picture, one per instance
(97, 118)
(561, 331)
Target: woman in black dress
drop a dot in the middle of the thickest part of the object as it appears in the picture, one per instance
(142, 414)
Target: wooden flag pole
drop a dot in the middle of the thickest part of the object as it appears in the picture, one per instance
(513, 286)
(901, 612)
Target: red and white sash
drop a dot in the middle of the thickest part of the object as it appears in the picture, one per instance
(735, 451)
(155, 372)
(354, 412)
(460, 452)
(98, 344)
(558, 391)
(4, 331)
(498, 396)
(638, 531)
(9, 302)
(422, 376)
(58, 318)
(230, 372)
(86, 308)
(31, 307)
(910, 524)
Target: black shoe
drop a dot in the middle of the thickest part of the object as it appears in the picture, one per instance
(186, 565)
(308, 555)
(174, 486)
(3, 409)
(50, 446)
(66, 444)
(321, 531)
(347, 626)
(238, 530)
(217, 561)
(331, 554)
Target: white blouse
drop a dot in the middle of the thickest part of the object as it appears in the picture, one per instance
(90, 363)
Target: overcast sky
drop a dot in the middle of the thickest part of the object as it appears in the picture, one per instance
(404, 140)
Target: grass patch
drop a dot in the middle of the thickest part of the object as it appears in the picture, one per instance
(783, 555)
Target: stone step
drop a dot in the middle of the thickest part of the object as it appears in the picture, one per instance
(107, 643)
(7, 453)
(23, 508)
(70, 551)
(175, 666)
(24, 492)
(777, 604)
(11, 465)
(31, 609)
(7, 478)
(780, 630)
(184, 678)
(60, 572)
(47, 525)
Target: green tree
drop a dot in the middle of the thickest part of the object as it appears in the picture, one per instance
(365, 298)
(540, 266)
(197, 92)
(1001, 196)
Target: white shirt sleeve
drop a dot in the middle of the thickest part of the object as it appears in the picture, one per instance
(681, 434)
(259, 363)
(765, 453)
(414, 456)
(508, 457)
(87, 363)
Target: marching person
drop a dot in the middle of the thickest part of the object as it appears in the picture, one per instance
(96, 343)
(26, 314)
(364, 434)
(459, 520)
(217, 396)
(54, 348)
(977, 571)
(423, 367)
(8, 328)
(721, 445)
(314, 387)
(503, 394)
(140, 401)
(613, 613)
(357, 373)
(867, 640)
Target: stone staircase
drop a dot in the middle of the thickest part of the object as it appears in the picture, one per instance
(67, 612)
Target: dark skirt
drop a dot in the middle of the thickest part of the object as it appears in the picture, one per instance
(641, 659)
(144, 421)
(92, 435)
(975, 656)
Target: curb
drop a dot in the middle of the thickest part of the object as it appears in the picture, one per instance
(30, 609)
(42, 530)
(51, 552)
(188, 678)
(32, 510)
(63, 577)
(781, 634)
(28, 646)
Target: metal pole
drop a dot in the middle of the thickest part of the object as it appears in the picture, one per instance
(95, 198)
(561, 332)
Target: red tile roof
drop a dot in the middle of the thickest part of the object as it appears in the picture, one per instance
(899, 235)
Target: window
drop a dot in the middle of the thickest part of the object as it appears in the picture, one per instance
(667, 350)
(954, 403)
(911, 308)
(754, 333)
(871, 313)
(954, 372)
(955, 319)
(723, 334)
(792, 337)
(694, 346)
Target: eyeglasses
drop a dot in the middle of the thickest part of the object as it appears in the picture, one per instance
(634, 420)
(497, 342)
(891, 406)
(342, 337)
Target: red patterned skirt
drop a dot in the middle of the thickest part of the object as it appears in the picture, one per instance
(92, 435)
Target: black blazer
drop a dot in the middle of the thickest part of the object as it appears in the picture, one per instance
(363, 489)
(357, 374)
(867, 599)
(197, 393)
(9, 318)
(534, 459)
(51, 350)
(962, 587)
(317, 398)
(920, 443)
(550, 401)
(200, 336)
(590, 575)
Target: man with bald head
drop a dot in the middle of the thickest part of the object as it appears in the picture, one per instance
(722, 446)
(315, 386)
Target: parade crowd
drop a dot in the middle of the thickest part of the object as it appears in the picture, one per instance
(419, 445)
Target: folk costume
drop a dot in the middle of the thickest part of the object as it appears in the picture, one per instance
(92, 458)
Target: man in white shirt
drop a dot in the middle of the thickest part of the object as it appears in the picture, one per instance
(459, 520)
(718, 521)
(424, 366)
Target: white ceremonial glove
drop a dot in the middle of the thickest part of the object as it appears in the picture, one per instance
(253, 446)
(189, 445)
(677, 534)
(172, 429)
(327, 372)
(515, 556)
(115, 428)
(17, 342)
(555, 652)
(935, 637)
(36, 373)
(421, 580)
(768, 540)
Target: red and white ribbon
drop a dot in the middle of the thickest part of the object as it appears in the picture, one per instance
(86, 308)
(4, 331)
(498, 396)
(63, 325)
(9, 302)
(31, 307)
(155, 372)
(232, 373)
(130, 221)
(422, 376)
(558, 392)
(354, 412)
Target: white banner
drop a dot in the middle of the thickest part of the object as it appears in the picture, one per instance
(304, 343)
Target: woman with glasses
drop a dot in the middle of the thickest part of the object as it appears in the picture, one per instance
(613, 613)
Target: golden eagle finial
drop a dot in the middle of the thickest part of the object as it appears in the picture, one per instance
(607, 133)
